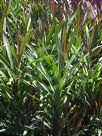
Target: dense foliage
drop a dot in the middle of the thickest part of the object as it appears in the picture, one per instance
(50, 68)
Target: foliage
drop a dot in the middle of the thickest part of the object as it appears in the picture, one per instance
(50, 70)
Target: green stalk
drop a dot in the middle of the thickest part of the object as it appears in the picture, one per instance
(2, 16)
(4, 11)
